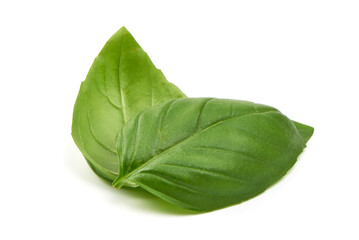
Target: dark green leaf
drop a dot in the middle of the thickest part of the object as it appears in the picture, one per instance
(305, 131)
(203, 154)
(122, 81)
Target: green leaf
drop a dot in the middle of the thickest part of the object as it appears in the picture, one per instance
(204, 154)
(121, 82)
(305, 131)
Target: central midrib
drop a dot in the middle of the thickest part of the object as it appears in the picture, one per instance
(121, 90)
(123, 104)
(117, 182)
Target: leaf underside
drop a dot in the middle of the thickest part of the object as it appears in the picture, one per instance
(121, 82)
(204, 154)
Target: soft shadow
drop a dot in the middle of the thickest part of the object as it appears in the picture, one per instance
(149, 202)
(137, 198)
(76, 164)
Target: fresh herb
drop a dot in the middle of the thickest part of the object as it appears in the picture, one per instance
(121, 82)
(203, 153)
(200, 154)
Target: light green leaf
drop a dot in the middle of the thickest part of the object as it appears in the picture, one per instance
(121, 82)
(204, 154)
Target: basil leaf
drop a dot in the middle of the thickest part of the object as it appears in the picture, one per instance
(122, 81)
(204, 154)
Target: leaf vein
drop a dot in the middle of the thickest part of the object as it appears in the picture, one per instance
(228, 150)
(94, 136)
(172, 181)
(208, 172)
(200, 112)
(121, 90)
(136, 143)
(161, 125)
(104, 94)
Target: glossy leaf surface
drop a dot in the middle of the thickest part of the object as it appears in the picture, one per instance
(122, 81)
(204, 154)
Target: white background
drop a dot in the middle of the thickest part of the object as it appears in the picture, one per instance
(301, 57)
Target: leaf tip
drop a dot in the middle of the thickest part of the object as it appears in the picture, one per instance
(123, 29)
(305, 131)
